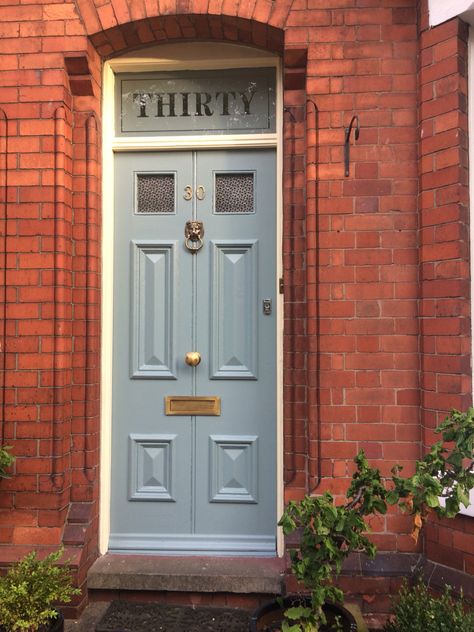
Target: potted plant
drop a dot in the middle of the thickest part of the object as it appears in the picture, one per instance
(328, 533)
(6, 460)
(29, 592)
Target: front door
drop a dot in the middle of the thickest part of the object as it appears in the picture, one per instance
(194, 411)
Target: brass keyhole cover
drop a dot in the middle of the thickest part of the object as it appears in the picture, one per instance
(192, 358)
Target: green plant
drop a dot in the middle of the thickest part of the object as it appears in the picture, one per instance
(415, 610)
(6, 461)
(446, 472)
(329, 533)
(30, 589)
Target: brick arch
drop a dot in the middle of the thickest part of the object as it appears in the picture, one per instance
(100, 16)
(186, 27)
(115, 25)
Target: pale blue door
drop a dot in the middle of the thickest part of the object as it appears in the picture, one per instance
(192, 475)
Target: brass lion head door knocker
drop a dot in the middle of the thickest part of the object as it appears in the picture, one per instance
(193, 232)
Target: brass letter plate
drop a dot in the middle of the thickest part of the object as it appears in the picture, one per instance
(183, 405)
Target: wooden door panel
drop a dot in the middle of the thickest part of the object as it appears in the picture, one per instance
(151, 468)
(152, 332)
(180, 483)
(236, 452)
(233, 308)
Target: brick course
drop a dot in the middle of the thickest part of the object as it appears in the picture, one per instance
(377, 319)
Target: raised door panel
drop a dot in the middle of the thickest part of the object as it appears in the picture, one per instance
(233, 331)
(153, 315)
(152, 475)
(233, 470)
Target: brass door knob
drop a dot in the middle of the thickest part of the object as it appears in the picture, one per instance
(193, 358)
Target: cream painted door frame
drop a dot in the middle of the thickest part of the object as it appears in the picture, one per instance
(174, 57)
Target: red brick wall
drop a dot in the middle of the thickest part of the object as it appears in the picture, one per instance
(52, 301)
(37, 404)
(351, 256)
(444, 250)
(362, 246)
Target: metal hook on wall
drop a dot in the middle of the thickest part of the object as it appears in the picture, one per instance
(354, 119)
(288, 111)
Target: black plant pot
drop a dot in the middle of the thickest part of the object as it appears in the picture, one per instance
(57, 624)
(270, 615)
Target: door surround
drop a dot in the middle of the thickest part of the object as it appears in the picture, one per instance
(178, 56)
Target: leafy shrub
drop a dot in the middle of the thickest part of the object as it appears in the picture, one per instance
(415, 610)
(446, 472)
(6, 461)
(29, 590)
(329, 532)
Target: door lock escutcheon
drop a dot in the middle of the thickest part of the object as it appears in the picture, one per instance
(267, 306)
(193, 232)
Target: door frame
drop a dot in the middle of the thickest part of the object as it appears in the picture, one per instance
(178, 56)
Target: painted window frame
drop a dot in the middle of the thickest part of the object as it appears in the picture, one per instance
(442, 10)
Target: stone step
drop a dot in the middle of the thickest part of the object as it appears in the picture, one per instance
(243, 575)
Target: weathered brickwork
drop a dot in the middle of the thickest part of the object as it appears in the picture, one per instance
(444, 256)
(376, 265)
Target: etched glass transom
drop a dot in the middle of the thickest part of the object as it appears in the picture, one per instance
(155, 193)
(230, 101)
(234, 193)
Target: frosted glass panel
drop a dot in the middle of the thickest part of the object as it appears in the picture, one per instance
(234, 193)
(155, 193)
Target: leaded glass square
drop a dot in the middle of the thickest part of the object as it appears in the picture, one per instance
(234, 193)
(155, 193)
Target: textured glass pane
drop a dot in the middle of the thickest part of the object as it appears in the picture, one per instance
(234, 193)
(230, 101)
(155, 193)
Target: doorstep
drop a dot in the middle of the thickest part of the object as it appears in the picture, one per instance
(242, 575)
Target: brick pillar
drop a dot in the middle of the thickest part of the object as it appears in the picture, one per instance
(444, 251)
(294, 256)
(38, 220)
